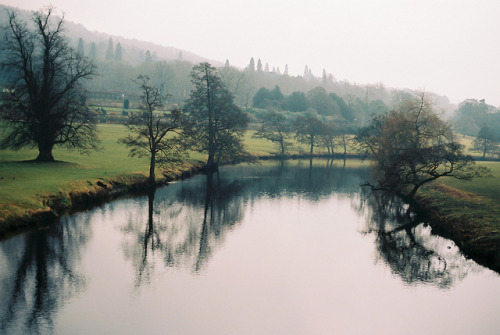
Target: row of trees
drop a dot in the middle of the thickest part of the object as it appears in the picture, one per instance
(45, 106)
(317, 99)
(309, 130)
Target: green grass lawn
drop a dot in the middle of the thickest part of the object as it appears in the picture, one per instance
(488, 187)
(24, 185)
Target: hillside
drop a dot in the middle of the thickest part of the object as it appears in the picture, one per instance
(171, 67)
(133, 50)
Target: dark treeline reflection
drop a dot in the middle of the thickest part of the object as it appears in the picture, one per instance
(40, 274)
(185, 222)
(404, 242)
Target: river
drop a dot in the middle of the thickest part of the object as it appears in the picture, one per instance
(294, 247)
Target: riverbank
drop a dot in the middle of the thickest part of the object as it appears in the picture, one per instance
(470, 220)
(81, 195)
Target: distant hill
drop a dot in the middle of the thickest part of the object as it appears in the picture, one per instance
(134, 51)
(116, 75)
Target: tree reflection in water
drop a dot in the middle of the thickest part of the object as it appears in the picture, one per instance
(40, 275)
(183, 230)
(404, 242)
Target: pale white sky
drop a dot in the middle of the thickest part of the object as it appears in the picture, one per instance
(451, 47)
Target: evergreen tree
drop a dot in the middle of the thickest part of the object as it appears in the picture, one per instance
(226, 65)
(109, 50)
(80, 51)
(251, 66)
(118, 52)
(148, 58)
(93, 51)
(286, 70)
(297, 102)
(259, 65)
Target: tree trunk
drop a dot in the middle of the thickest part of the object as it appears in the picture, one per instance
(152, 177)
(210, 163)
(45, 154)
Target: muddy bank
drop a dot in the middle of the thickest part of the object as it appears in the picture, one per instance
(95, 193)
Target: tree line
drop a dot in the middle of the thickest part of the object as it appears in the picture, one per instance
(45, 106)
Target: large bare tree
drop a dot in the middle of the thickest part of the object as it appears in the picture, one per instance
(44, 104)
(153, 133)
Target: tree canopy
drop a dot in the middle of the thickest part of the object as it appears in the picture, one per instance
(412, 146)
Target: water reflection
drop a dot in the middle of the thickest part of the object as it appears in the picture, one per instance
(39, 274)
(296, 258)
(186, 222)
(184, 228)
(405, 243)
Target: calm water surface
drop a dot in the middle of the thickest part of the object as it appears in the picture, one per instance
(277, 248)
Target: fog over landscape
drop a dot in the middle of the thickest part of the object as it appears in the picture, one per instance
(300, 167)
(448, 47)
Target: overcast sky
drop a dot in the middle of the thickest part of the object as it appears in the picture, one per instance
(451, 47)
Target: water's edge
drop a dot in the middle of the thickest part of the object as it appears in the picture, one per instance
(84, 200)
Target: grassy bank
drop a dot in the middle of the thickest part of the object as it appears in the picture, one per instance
(468, 212)
(33, 189)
